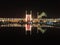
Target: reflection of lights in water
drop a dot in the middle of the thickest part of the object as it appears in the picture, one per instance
(28, 22)
(28, 27)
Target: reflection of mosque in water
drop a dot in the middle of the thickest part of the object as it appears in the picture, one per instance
(29, 22)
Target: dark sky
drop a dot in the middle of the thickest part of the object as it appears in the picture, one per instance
(17, 8)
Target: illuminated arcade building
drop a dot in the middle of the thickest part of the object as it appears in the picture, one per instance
(30, 22)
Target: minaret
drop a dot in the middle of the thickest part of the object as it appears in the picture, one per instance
(28, 20)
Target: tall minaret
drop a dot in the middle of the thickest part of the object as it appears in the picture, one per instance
(28, 20)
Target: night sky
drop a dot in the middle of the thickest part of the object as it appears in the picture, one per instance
(17, 9)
